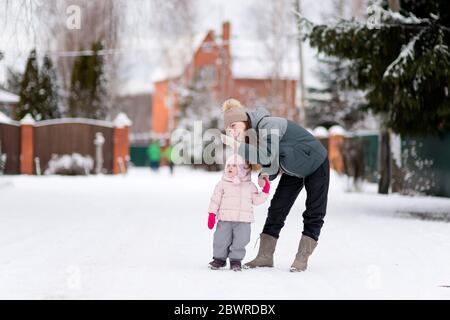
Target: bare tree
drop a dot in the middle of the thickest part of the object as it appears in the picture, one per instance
(100, 20)
(174, 27)
(349, 9)
(48, 24)
(274, 27)
(300, 114)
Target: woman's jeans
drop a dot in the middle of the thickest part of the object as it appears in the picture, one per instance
(289, 187)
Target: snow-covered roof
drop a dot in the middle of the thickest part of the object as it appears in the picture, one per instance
(8, 97)
(5, 119)
(250, 60)
(181, 53)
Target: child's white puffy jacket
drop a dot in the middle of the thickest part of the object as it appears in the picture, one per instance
(233, 201)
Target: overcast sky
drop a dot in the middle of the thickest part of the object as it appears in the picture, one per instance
(139, 65)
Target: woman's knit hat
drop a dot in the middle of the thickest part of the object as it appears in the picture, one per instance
(233, 111)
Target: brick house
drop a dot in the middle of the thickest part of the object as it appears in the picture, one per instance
(213, 58)
(8, 101)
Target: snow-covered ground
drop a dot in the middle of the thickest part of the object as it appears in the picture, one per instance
(145, 236)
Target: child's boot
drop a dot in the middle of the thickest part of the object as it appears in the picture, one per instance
(217, 264)
(235, 265)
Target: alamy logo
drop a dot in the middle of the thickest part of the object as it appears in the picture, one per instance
(205, 147)
(73, 21)
(374, 17)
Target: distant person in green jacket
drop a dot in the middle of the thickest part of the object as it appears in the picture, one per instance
(154, 155)
(168, 154)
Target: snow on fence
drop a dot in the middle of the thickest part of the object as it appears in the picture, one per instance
(30, 146)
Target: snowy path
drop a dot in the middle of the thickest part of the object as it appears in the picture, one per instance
(145, 236)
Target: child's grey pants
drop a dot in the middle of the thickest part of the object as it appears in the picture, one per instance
(230, 239)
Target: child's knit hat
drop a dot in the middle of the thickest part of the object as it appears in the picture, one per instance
(243, 169)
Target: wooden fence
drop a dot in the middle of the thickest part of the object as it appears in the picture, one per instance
(73, 136)
(25, 142)
(10, 146)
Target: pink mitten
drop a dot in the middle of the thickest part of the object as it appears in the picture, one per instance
(266, 187)
(211, 220)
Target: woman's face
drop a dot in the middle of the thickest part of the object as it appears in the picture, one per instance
(237, 130)
(231, 170)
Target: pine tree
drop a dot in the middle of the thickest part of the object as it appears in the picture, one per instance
(76, 99)
(88, 86)
(403, 63)
(13, 81)
(98, 81)
(29, 90)
(333, 103)
(48, 104)
(401, 59)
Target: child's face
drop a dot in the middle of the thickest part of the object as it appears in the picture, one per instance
(231, 170)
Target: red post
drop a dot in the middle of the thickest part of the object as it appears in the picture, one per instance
(337, 136)
(26, 145)
(121, 143)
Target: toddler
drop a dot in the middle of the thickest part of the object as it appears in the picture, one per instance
(232, 205)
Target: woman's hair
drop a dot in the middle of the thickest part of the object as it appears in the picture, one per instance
(255, 166)
(247, 124)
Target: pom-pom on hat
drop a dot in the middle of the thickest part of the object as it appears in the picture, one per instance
(233, 111)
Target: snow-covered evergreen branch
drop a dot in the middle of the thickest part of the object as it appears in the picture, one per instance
(383, 18)
(397, 67)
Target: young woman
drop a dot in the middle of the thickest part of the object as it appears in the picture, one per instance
(301, 160)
